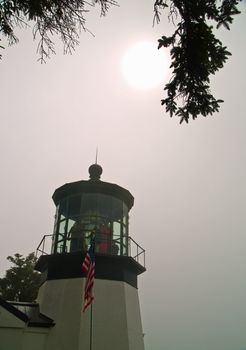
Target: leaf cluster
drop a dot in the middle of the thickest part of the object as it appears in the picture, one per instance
(196, 54)
(20, 282)
(65, 18)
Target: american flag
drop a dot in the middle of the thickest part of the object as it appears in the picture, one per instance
(88, 267)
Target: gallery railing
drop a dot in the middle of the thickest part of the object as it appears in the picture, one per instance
(116, 245)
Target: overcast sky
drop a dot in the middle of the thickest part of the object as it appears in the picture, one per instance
(188, 181)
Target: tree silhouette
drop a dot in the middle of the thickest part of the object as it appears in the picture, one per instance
(65, 18)
(20, 282)
(196, 53)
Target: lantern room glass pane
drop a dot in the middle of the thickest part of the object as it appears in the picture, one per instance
(124, 230)
(75, 236)
(125, 214)
(81, 215)
(89, 203)
(117, 209)
(74, 204)
(63, 209)
(116, 228)
(105, 205)
(62, 226)
(60, 248)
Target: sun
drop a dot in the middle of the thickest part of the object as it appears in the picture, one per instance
(144, 66)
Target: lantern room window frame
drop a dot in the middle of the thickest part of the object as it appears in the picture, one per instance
(93, 212)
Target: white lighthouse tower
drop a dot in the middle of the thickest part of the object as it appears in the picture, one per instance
(114, 322)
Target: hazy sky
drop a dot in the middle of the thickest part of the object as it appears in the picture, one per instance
(188, 181)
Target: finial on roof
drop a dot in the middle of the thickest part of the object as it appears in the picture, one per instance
(95, 171)
(96, 154)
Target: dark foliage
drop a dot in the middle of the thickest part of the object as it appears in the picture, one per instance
(64, 18)
(21, 282)
(195, 52)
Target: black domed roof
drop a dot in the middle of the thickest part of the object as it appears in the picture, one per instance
(94, 185)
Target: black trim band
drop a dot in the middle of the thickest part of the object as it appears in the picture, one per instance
(108, 267)
(93, 187)
(13, 310)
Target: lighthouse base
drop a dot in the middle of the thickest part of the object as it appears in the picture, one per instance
(114, 322)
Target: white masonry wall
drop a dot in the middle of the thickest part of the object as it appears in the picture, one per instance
(116, 315)
(16, 335)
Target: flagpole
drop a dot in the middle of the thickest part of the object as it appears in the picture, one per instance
(88, 267)
(91, 329)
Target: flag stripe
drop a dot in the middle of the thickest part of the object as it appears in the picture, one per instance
(88, 267)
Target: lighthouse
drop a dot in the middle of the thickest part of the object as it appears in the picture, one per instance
(113, 321)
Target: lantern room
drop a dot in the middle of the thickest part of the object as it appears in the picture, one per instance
(91, 207)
